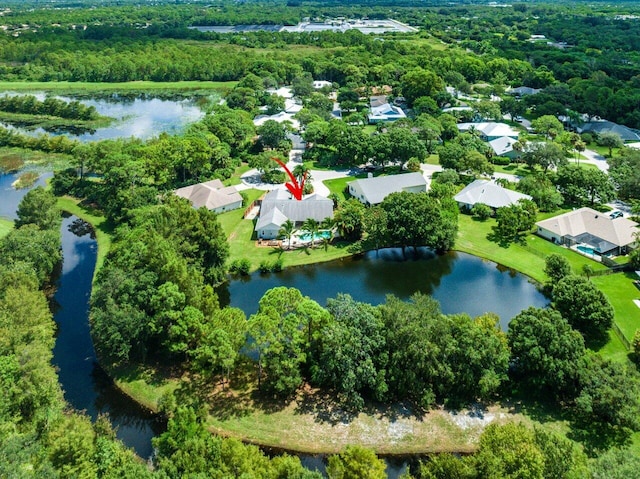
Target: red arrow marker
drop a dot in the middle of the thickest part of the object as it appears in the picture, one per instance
(295, 188)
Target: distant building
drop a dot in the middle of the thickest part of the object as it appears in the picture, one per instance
(489, 130)
(371, 191)
(488, 193)
(212, 195)
(278, 206)
(590, 230)
(523, 91)
(319, 84)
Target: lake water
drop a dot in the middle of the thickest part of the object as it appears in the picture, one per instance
(135, 117)
(462, 283)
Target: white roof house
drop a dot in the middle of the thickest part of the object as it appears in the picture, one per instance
(284, 92)
(279, 117)
(385, 112)
(489, 130)
(318, 84)
(213, 195)
(371, 191)
(489, 193)
(503, 146)
(278, 206)
(590, 228)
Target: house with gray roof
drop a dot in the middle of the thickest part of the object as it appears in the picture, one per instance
(371, 191)
(278, 206)
(212, 195)
(605, 126)
(589, 230)
(523, 91)
(488, 193)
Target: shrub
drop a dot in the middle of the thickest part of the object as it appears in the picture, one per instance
(413, 165)
(265, 266)
(274, 176)
(501, 160)
(240, 266)
(481, 211)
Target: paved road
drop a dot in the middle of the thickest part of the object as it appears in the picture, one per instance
(595, 159)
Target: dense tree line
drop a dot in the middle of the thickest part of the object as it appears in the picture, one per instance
(29, 104)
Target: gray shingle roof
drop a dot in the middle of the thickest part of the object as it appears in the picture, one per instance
(376, 189)
(489, 193)
(605, 126)
(278, 204)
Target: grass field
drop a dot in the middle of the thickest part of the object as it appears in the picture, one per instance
(5, 226)
(86, 87)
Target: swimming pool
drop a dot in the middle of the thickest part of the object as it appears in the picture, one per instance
(325, 234)
(586, 249)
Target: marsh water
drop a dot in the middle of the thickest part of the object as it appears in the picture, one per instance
(139, 117)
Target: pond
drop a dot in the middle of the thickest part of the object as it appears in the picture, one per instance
(139, 117)
(462, 283)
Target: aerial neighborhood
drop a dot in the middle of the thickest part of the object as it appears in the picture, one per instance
(298, 239)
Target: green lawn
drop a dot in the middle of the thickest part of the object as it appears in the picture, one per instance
(102, 229)
(529, 258)
(339, 186)
(5, 226)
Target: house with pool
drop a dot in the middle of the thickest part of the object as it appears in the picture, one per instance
(590, 232)
(278, 206)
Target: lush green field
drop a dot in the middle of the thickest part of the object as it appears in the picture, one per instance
(86, 87)
(13, 159)
(5, 226)
(47, 121)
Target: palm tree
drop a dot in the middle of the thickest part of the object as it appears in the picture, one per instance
(287, 230)
(327, 224)
(312, 227)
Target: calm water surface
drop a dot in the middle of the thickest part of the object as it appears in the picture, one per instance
(139, 117)
(462, 283)
(10, 197)
(86, 387)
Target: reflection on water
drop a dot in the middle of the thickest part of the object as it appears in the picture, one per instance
(86, 387)
(460, 282)
(10, 198)
(139, 117)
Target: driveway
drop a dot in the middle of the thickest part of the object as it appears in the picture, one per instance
(595, 158)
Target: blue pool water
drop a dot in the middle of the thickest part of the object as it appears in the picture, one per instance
(586, 249)
(321, 234)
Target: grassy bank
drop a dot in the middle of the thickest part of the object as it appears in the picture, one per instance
(49, 122)
(5, 226)
(529, 258)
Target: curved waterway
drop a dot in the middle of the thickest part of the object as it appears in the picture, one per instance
(462, 283)
(86, 387)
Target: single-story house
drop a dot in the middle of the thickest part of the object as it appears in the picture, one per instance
(503, 146)
(213, 195)
(278, 206)
(523, 91)
(590, 229)
(378, 100)
(371, 191)
(605, 126)
(279, 117)
(385, 112)
(489, 130)
(489, 193)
